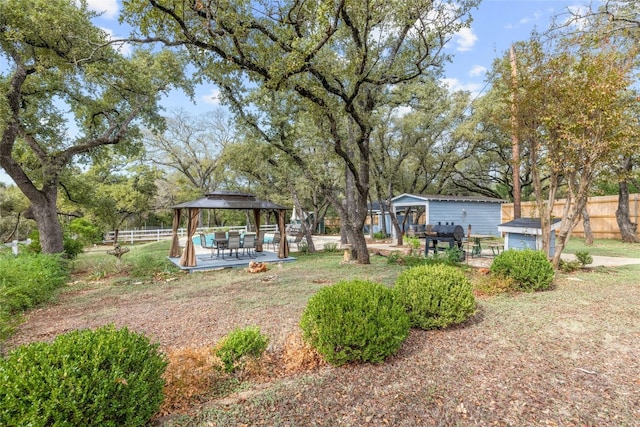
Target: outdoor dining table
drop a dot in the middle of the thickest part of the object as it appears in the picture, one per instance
(477, 239)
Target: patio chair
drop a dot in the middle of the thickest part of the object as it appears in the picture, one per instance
(275, 242)
(220, 242)
(233, 243)
(249, 244)
(203, 243)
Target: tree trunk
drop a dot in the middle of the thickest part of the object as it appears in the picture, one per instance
(304, 228)
(383, 220)
(45, 212)
(628, 229)
(586, 225)
(396, 226)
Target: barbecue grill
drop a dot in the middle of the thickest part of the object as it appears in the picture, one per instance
(449, 233)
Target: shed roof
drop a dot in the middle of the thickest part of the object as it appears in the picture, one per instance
(229, 200)
(528, 223)
(442, 198)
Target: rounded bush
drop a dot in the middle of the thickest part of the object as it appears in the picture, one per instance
(528, 268)
(239, 344)
(435, 296)
(355, 320)
(105, 377)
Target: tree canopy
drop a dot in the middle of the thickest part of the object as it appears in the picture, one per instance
(65, 93)
(337, 58)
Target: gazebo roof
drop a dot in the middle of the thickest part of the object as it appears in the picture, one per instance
(229, 200)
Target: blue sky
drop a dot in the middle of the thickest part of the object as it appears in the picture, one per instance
(496, 24)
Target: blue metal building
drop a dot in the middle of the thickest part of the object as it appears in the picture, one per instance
(484, 214)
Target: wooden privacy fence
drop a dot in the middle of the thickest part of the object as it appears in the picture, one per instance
(601, 209)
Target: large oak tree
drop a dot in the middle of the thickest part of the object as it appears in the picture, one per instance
(338, 57)
(65, 93)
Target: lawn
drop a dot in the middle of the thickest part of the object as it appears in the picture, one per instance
(565, 357)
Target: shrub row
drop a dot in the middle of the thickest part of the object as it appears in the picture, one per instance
(366, 322)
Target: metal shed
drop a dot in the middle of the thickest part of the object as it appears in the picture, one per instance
(484, 214)
(526, 233)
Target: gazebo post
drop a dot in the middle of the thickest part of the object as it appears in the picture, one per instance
(188, 258)
(283, 250)
(175, 252)
(256, 217)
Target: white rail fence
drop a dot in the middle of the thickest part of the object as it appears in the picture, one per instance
(155, 235)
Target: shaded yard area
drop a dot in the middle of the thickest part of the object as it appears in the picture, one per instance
(564, 357)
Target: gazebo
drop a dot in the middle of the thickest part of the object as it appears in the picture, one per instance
(222, 200)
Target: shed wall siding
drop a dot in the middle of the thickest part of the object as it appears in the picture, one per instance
(484, 217)
(528, 241)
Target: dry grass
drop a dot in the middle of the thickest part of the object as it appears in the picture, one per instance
(189, 376)
(565, 357)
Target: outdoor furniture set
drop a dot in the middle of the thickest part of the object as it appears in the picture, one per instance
(233, 241)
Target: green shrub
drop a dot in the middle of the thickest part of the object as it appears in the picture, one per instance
(29, 279)
(414, 244)
(26, 280)
(330, 247)
(355, 321)
(449, 257)
(71, 247)
(584, 258)
(303, 247)
(147, 265)
(240, 344)
(106, 377)
(530, 269)
(379, 235)
(435, 296)
(569, 266)
(398, 258)
(86, 232)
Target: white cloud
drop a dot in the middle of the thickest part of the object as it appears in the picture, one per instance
(536, 16)
(213, 97)
(524, 21)
(455, 85)
(109, 8)
(477, 70)
(465, 39)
